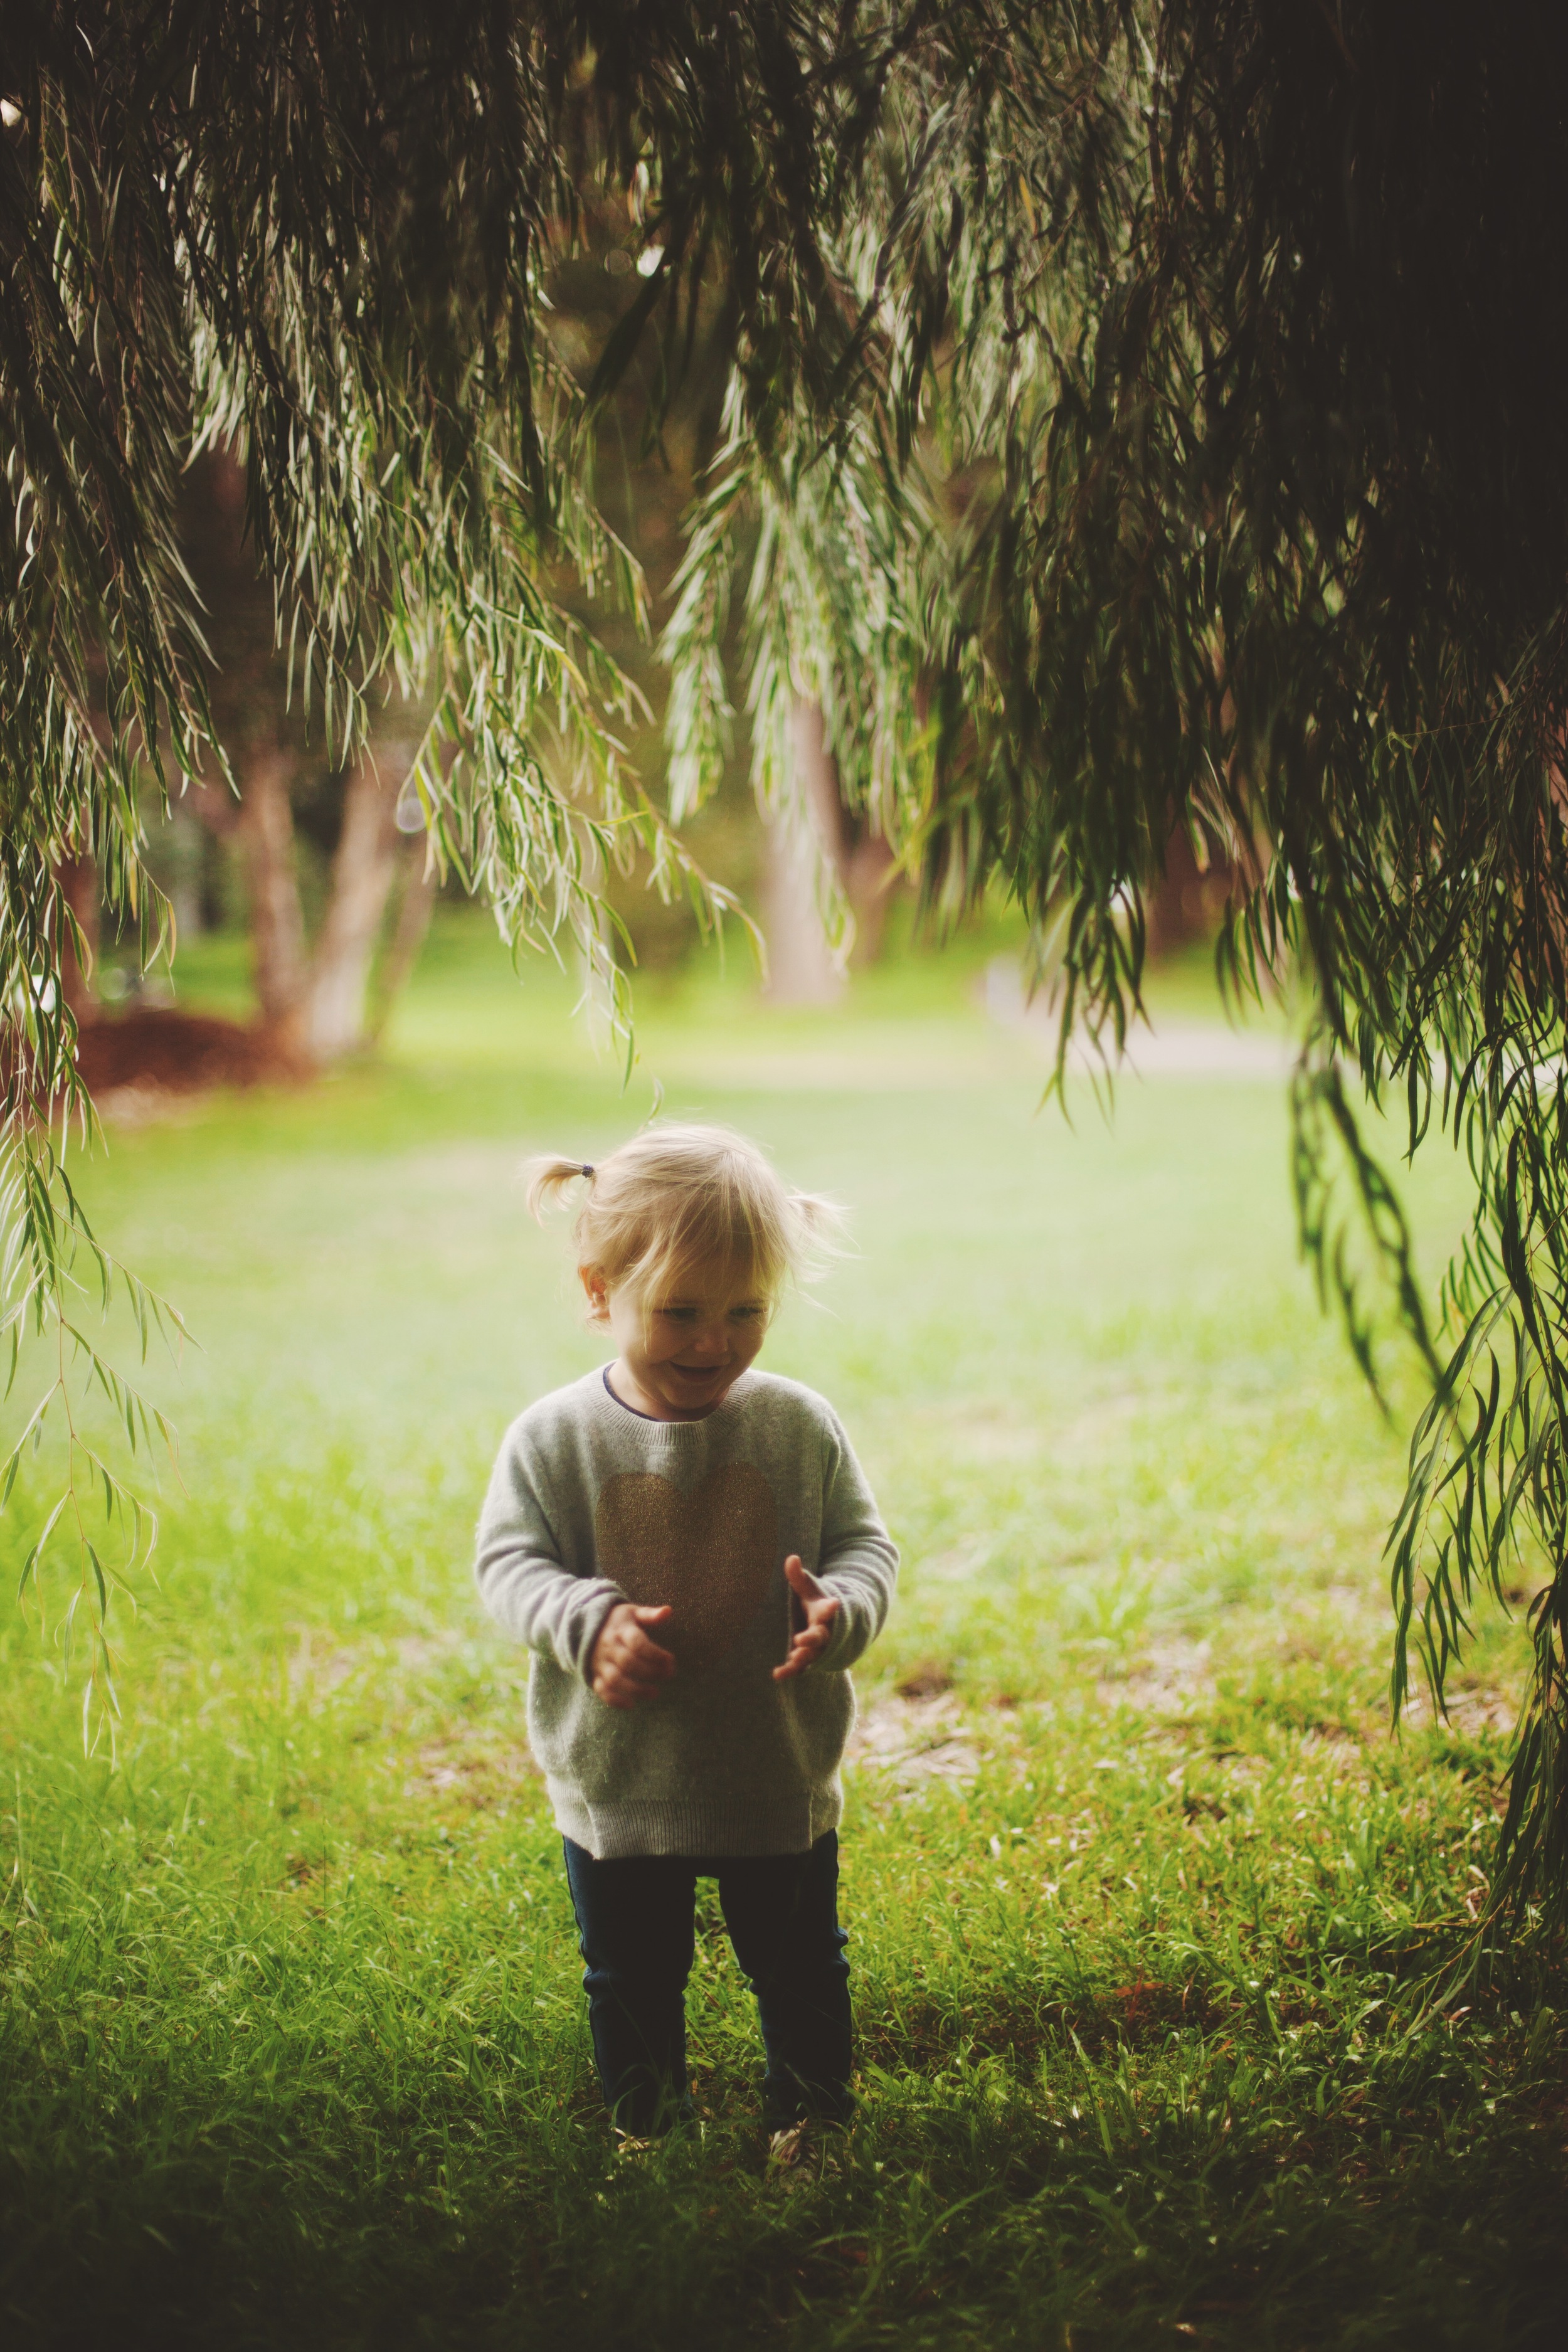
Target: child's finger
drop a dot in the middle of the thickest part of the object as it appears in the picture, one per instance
(799, 1580)
(617, 1688)
(640, 1644)
(645, 1659)
(624, 1696)
(640, 1686)
(650, 1657)
(805, 1647)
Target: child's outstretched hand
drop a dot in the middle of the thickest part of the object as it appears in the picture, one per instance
(626, 1665)
(819, 1609)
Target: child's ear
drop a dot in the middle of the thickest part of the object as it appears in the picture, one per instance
(598, 1296)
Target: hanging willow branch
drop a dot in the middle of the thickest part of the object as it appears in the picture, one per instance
(1202, 469)
(319, 238)
(1143, 414)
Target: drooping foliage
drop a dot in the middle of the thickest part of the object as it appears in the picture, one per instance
(1205, 472)
(319, 237)
(1140, 417)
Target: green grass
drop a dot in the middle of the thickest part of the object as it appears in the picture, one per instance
(293, 2049)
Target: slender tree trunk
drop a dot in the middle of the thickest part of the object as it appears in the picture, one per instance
(80, 886)
(277, 919)
(362, 871)
(311, 995)
(862, 858)
(187, 843)
(803, 969)
(315, 1001)
(1186, 903)
(801, 966)
(420, 885)
(867, 872)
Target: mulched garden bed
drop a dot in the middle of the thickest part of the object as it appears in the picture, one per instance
(154, 1048)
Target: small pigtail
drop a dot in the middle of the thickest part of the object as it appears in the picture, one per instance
(822, 1229)
(547, 1176)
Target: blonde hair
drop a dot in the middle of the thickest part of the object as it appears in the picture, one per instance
(677, 1198)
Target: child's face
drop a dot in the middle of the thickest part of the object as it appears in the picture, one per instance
(680, 1354)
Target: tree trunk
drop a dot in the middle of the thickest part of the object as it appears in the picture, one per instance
(315, 1002)
(420, 885)
(1186, 903)
(187, 847)
(77, 878)
(802, 969)
(362, 869)
(866, 870)
(277, 919)
(312, 1002)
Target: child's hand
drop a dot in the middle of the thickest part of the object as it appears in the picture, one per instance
(818, 1609)
(626, 1664)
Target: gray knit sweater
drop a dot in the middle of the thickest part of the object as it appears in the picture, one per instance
(589, 1504)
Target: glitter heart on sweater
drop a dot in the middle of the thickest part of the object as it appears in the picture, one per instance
(709, 1552)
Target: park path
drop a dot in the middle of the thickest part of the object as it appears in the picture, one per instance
(1176, 1049)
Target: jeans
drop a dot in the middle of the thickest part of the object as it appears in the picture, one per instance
(635, 1924)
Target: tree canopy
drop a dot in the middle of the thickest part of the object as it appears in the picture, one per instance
(1141, 414)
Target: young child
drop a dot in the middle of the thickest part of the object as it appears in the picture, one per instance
(691, 1552)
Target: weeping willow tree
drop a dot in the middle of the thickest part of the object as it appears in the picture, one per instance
(1198, 464)
(1143, 414)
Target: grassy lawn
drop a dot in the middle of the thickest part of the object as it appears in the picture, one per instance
(1139, 1889)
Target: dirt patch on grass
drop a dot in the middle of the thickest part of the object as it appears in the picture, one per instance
(1470, 1713)
(1169, 1678)
(914, 1740)
(479, 1769)
(318, 1666)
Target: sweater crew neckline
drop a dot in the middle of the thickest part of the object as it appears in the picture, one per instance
(612, 1391)
(644, 1426)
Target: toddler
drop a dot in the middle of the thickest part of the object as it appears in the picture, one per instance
(690, 1550)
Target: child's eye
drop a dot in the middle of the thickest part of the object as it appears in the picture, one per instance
(678, 1314)
(748, 1314)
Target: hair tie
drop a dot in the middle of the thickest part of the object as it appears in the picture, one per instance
(587, 1169)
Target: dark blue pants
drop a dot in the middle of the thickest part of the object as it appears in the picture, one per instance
(635, 1924)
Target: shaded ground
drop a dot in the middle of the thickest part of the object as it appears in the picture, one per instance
(156, 1050)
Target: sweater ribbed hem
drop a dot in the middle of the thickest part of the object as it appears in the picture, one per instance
(695, 1825)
